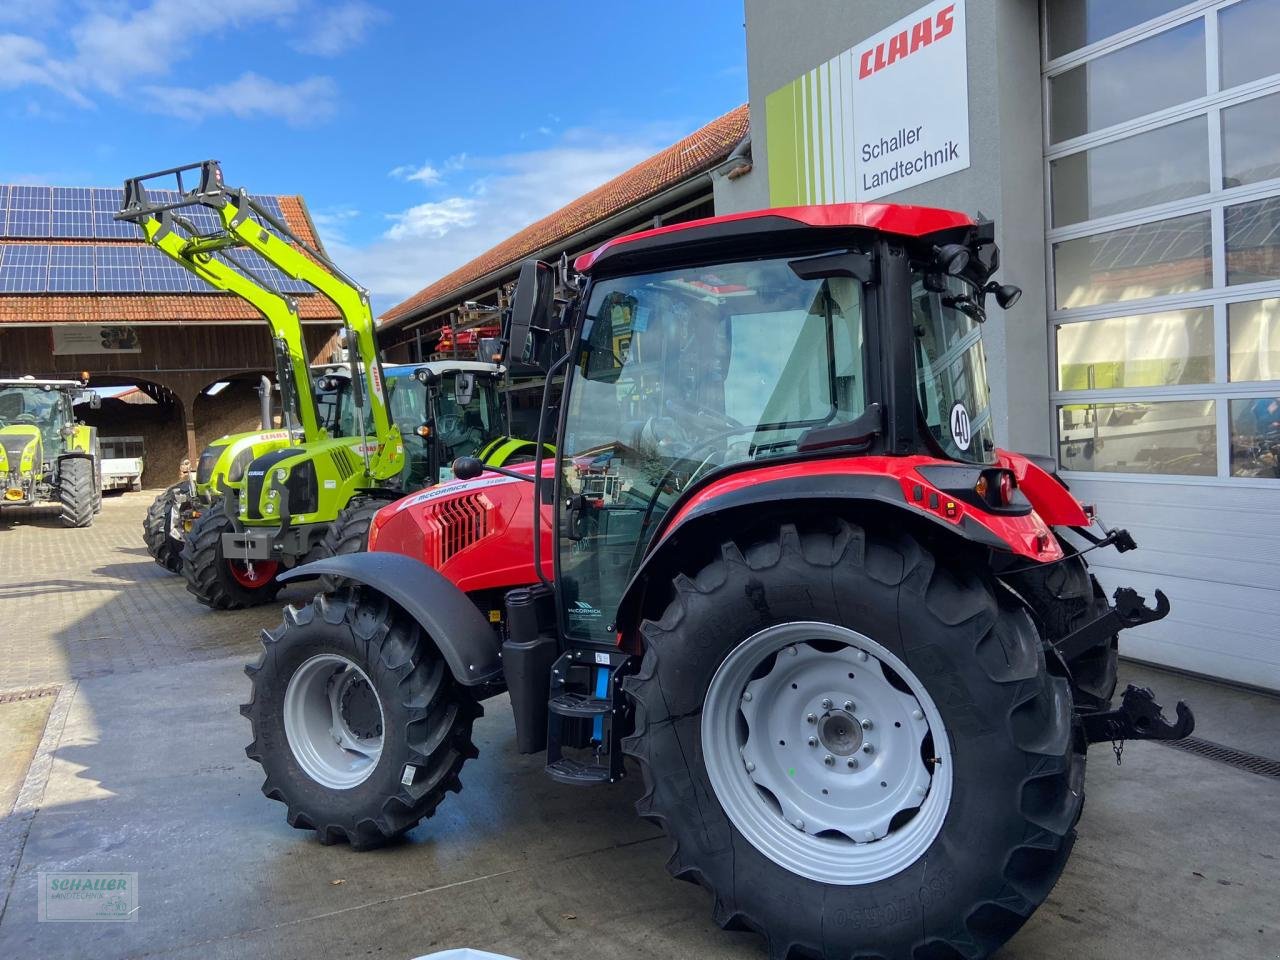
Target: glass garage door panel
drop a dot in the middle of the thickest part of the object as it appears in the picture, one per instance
(1176, 437)
(1169, 163)
(1247, 34)
(1253, 241)
(1255, 437)
(1144, 77)
(1151, 350)
(1149, 260)
(1253, 332)
(1077, 23)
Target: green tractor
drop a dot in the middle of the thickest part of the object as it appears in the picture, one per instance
(46, 455)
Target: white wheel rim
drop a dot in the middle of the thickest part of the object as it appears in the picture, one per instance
(816, 756)
(330, 723)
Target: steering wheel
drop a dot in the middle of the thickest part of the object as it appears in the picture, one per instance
(693, 410)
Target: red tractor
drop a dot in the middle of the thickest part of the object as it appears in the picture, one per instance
(854, 649)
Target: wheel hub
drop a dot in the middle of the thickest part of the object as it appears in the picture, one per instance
(818, 742)
(333, 721)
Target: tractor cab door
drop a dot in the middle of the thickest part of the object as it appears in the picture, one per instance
(678, 375)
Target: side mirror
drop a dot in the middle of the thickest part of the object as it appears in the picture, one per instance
(464, 389)
(95, 401)
(531, 309)
(467, 468)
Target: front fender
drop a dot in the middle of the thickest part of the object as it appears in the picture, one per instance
(461, 633)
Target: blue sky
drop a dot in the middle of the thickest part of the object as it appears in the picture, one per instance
(421, 132)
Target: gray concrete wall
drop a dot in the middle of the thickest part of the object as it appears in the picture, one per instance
(1004, 181)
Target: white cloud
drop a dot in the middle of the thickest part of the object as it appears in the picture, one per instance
(335, 29)
(504, 194)
(423, 174)
(299, 104)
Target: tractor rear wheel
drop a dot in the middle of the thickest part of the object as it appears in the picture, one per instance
(157, 531)
(348, 534)
(75, 492)
(218, 581)
(357, 721)
(857, 749)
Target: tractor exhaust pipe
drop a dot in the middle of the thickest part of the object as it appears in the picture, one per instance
(264, 402)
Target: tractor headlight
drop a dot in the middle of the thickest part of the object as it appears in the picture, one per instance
(270, 508)
(281, 475)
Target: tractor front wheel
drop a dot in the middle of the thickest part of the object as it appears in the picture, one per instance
(357, 721)
(856, 748)
(219, 581)
(76, 491)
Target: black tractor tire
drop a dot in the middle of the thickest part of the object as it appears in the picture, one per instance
(165, 549)
(1017, 784)
(427, 719)
(76, 492)
(209, 574)
(1066, 596)
(347, 534)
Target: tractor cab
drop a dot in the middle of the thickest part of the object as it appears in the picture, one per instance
(39, 439)
(448, 409)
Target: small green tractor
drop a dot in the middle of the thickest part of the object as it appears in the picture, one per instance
(46, 455)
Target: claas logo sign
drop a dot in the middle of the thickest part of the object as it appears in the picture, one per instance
(901, 45)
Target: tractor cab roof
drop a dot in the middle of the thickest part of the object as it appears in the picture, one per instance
(779, 225)
(34, 382)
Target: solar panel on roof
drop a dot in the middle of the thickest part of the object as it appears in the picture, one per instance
(161, 274)
(118, 269)
(25, 268)
(106, 201)
(71, 268)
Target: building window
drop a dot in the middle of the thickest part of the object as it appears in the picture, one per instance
(1162, 163)
(121, 448)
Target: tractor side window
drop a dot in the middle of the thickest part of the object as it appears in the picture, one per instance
(681, 374)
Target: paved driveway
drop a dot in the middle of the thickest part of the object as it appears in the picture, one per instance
(141, 768)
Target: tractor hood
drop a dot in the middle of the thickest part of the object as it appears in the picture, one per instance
(19, 448)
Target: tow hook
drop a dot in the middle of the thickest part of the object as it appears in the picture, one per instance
(1130, 610)
(1139, 718)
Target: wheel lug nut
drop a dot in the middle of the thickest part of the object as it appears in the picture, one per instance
(866, 724)
(917, 714)
(852, 763)
(826, 703)
(747, 696)
(813, 741)
(867, 748)
(811, 718)
(848, 706)
(829, 760)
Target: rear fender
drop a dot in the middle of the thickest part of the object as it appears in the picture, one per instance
(1046, 491)
(821, 495)
(460, 632)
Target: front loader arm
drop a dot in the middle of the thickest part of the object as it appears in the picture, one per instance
(280, 313)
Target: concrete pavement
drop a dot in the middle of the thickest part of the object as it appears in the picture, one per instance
(1177, 857)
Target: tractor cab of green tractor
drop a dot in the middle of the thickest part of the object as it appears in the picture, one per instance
(39, 439)
(449, 409)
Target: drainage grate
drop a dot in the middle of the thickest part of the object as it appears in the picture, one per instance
(13, 696)
(1249, 762)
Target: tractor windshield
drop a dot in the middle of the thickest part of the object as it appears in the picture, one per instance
(951, 370)
(35, 406)
(682, 373)
(464, 423)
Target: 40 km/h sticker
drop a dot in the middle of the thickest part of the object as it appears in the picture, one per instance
(960, 429)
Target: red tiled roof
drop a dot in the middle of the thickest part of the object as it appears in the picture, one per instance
(144, 307)
(696, 153)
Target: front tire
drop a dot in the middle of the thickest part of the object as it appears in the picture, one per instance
(356, 664)
(76, 492)
(810, 854)
(220, 582)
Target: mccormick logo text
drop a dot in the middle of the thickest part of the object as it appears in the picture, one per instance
(903, 44)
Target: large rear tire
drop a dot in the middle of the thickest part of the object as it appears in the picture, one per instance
(357, 721)
(220, 582)
(157, 526)
(348, 534)
(943, 837)
(76, 492)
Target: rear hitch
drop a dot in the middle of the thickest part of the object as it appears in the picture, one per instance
(1139, 718)
(1130, 610)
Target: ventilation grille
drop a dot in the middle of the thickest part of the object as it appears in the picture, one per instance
(342, 463)
(454, 525)
(1249, 762)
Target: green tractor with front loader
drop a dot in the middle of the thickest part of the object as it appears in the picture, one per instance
(46, 455)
